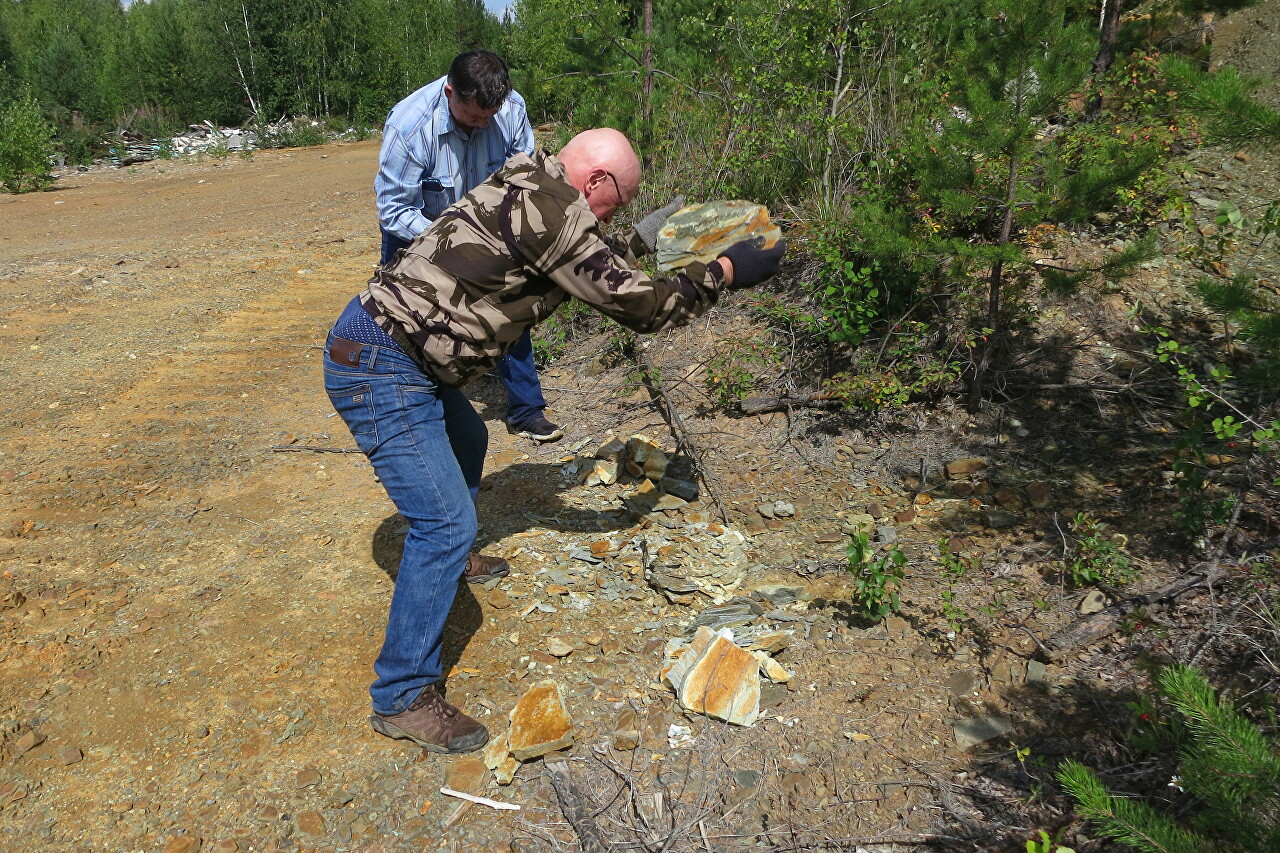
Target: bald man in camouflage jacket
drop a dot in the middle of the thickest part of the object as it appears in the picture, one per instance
(489, 268)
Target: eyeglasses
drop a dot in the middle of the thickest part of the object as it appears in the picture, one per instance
(617, 189)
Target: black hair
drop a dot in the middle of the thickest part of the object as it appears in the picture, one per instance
(480, 77)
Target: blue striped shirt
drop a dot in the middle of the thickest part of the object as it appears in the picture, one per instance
(428, 162)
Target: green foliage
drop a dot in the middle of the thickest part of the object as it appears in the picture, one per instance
(1097, 558)
(230, 61)
(25, 145)
(1254, 428)
(1226, 762)
(911, 363)
(552, 337)
(299, 133)
(1044, 844)
(732, 371)
(1229, 115)
(955, 567)
(876, 578)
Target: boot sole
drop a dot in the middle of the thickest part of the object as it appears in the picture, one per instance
(391, 730)
(540, 438)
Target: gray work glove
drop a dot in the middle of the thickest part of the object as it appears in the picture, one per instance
(753, 264)
(648, 228)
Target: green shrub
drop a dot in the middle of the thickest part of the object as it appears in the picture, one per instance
(877, 579)
(552, 336)
(26, 143)
(300, 133)
(1097, 557)
(731, 373)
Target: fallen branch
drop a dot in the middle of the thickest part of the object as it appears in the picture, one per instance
(1106, 622)
(761, 405)
(301, 448)
(575, 809)
(676, 423)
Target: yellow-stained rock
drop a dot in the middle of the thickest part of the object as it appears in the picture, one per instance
(466, 774)
(498, 758)
(644, 495)
(540, 722)
(772, 642)
(649, 457)
(772, 670)
(700, 232)
(716, 678)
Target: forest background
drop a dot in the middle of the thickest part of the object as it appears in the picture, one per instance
(917, 147)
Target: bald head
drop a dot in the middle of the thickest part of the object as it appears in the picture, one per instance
(602, 166)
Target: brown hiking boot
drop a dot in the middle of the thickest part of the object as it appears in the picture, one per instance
(481, 568)
(433, 724)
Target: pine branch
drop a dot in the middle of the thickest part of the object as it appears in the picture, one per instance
(1229, 741)
(1222, 99)
(1232, 298)
(1128, 821)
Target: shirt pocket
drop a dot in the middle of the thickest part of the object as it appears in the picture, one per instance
(437, 194)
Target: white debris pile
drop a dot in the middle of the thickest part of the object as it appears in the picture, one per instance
(204, 137)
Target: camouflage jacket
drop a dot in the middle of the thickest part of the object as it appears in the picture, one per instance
(504, 257)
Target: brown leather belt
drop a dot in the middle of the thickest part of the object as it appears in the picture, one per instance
(343, 351)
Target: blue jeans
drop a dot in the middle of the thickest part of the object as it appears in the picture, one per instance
(427, 446)
(517, 370)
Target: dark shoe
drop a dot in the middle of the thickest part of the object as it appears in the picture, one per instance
(537, 428)
(433, 724)
(481, 568)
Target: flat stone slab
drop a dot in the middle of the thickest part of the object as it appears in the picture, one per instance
(976, 730)
(700, 232)
(540, 722)
(713, 676)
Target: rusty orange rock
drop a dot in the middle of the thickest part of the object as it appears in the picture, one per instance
(498, 758)
(540, 722)
(717, 678)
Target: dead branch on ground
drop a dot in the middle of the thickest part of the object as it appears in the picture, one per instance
(683, 438)
(575, 807)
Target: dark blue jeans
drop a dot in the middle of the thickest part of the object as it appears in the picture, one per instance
(427, 446)
(517, 370)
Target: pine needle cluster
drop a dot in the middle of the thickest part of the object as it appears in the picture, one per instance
(1227, 764)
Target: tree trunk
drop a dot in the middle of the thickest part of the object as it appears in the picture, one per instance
(994, 285)
(1110, 25)
(646, 90)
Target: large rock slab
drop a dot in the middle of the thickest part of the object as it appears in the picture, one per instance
(713, 676)
(700, 232)
(540, 722)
